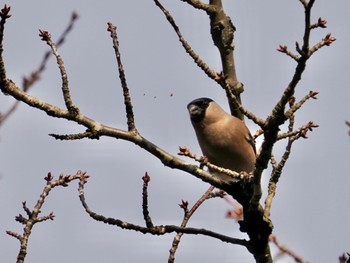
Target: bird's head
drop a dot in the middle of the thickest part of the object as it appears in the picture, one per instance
(197, 109)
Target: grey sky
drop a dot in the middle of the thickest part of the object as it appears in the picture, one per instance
(310, 210)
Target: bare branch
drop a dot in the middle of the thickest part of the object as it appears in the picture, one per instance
(36, 74)
(33, 215)
(243, 176)
(292, 110)
(127, 100)
(88, 134)
(4, 14)
(285, 250)
(200, 5)
(199, 62)
(72, 109)
(188, 214)
(277, 117)
(300, 132)
(322, 23)
(146, 179)
(284, 49)
(326, 41)
(29, 81)
(155, 230)
(244, 111)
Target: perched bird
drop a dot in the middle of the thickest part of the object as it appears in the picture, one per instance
(224, 139)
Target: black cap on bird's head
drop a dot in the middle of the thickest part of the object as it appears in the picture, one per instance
(197, 108)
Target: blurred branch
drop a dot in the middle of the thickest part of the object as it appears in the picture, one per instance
(344, 258)
(32, 78)
(284, 250)
(33, 215)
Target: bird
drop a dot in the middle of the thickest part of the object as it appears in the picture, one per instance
(224, 139)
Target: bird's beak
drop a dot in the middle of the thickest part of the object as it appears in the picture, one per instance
(193, 110)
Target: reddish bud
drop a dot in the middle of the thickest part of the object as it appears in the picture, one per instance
(313, 94)
(282, 48)
(45, 36)
(328, 39)
(49, 177)
(184, 205)
(146, 178)
(4, 13)
(322, 22)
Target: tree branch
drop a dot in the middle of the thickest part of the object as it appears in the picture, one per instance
(33, 215)
(127, 100)
(155, 230)
(199, 62)
(187, 216)
(29, 81)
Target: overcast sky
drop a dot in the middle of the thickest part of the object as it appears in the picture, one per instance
(311, 209)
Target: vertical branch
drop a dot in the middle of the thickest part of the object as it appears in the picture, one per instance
(146, 179)
(4, 14)
(127, 100)
(308, 28)
(45, 36)
(222, 31)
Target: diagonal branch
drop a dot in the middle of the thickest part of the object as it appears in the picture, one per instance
(199, 62)
(188, 214)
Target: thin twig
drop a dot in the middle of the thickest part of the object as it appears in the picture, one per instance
(297, 106)
(244, 111)
(300, 132)
(244, 176)
(146, 179)
(285, 250)
(326, 41)
(88, 134)
(200, 5)
(127, 99)
(72, 109)
(284, 49)
(188, 214)
(155, 230)
(33, 77)
(200, 63)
